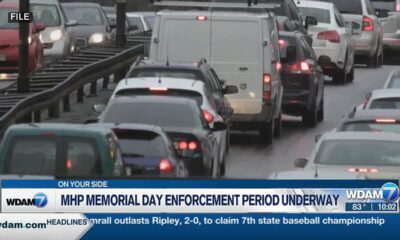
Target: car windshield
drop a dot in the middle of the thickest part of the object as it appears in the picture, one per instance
(150, 21)
(348, 7)
(136, 143)
(389, 5)
(40, 156)
(371, 127)
(394, 83)
(46, 14)
(322, 15)
(4, 24)
(159, 114)
(359, 152)
(165, 73)
(385, 103)
(135, 21)
(170, 92)
(89, 16)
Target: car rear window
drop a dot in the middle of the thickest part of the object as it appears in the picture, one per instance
(86, 16)
(166, 73)
(348, 6)
(394, 83)
(322, 15)
(370, 127)
(159, 114)
(385, 103)
(170, 92)
(53, 156)
(141, 144)
(384, 4)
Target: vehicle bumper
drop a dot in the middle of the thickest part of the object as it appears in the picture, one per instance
(334, 57)
(391, 41)
(56, 50)
(366, 44)
(252, 121)
(296, 102)
(11, 65)
(195, 166)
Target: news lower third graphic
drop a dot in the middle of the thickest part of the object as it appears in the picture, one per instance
(172, 209)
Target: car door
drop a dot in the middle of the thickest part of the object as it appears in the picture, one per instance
(319, 74)
(346, 37)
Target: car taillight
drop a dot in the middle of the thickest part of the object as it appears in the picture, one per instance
(182, 145)
(368, 24)
(302, 67)
(385, 120)
(186, 148)
(398, 7)
(69, 164)
(331, 36)
(165, 166)
(208, 116)
(266, 87)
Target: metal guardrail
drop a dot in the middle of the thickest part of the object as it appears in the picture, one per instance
(53, 83)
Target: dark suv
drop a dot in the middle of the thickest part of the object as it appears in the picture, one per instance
(302, 79)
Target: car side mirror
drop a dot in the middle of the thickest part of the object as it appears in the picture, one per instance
(230, 90)
(71, 23)
(301, 162)
(91, 121)
(317, 138)
(219, 126)
(310, 21)
(40, 27)
(227, 111)
(99, 108)
(222, 82)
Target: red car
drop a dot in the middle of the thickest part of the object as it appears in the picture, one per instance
(9, 40)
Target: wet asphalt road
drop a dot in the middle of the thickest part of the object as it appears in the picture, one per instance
(249, 158)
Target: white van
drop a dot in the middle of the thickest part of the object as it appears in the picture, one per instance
(241, 46)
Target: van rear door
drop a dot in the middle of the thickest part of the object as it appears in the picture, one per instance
(183, 37)
(236, 55)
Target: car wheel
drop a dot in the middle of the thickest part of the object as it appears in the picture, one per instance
(320, 113)
(340, 77)
(380, 59)
(267, 132)
(350, 75)
(278, 125)
(309, 117)
(373, 60)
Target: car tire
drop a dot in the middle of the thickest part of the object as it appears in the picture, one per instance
(373, 60)
(340, 77)
(380, 59)
(278, 126)
(350, 75)
(309, 117)
(228, 141)
(320, 113)
(267, 132)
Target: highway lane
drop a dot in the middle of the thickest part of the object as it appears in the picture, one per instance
(248, 158)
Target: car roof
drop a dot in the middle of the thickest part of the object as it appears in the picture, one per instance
(221, 13)
(170, 65)
(81, 4)
(8, 5)
(23, 129)
(315, 4)
(56, 2)
(385, 93)
(173, 83)
(372, 114)
(133, 14)
(380, 136)
(395, 74)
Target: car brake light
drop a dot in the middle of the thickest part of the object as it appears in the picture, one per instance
(208, 116)
(182, 145)
(266, 87)
(69, 164)
(192, 146)
(278, 66)
(158, 89)
(165, 166)
(384, 120)
(368, 24)
(331, 36)
(398, 7)
(282, 43)
(363, 170)
(302, 67)
(201, 18)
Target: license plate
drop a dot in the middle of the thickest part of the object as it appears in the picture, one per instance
(2, 57)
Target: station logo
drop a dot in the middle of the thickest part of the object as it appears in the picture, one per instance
(20, 17)
(389, 192)
(39, 200)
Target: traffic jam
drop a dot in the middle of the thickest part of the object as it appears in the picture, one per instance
(272, 89)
